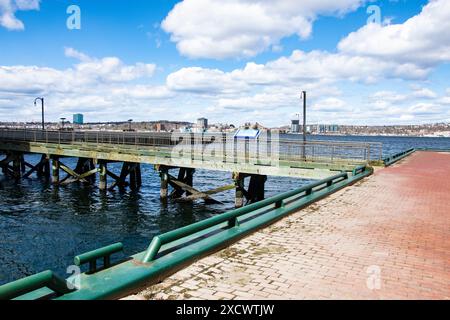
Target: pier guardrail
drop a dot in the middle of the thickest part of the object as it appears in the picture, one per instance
(397, 157)
(171, 251)
(209, 146)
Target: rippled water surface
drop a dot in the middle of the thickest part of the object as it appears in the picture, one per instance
(43, 227)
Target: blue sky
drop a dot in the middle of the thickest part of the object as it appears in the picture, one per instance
(232, 62)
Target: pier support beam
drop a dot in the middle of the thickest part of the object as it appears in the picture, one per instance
(103, 168)
(13, 165)
(255, 190)
(43, 169)
(186, 177)
(91, 166)
(164, 174)
(17, 167)
(85, 165)
(183, 190)
(240, 189)
(83, 172)
(55, 170)
(131, 169)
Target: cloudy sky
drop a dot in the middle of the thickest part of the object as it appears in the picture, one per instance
(232, 61)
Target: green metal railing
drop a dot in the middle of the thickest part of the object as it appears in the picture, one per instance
(102, 253)
(171, 251)
(43, 279)
(231, 217)
(397, 157)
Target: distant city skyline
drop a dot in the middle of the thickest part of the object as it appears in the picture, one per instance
(362, 62)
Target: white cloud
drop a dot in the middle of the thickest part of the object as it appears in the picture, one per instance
(85, 75)
(204, 81)
(243, 28)
(419, 105)
(143, 92)
(424, 108)
(387, 96)
(423, 40)
(8, 9)
(300, 68)
(108, 69)
(72, 53)
(424, 93)
(330, 105)
(104, 87)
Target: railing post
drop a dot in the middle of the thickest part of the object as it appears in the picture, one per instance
(233, 222)
(279, 204)
(152, 250)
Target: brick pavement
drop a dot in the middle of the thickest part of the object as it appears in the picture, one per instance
(386, 237)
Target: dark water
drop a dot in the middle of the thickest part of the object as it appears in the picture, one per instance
(43, 227)
(392, 145)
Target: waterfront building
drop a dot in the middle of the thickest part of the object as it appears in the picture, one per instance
(78, 118)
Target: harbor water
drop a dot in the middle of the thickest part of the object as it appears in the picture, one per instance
(43, 227)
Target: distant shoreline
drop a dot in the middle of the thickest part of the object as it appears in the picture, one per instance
(367, 135)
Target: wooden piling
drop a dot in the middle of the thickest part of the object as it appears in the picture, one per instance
(55, 170)
(189, 179)
(240, 188)
(103, 175)
(123, 175)
(92, 166)
(46, 168)
(164, 174)
(22, 163)
(138, 175)
(17, 167)
(132, 174)
(256, 188)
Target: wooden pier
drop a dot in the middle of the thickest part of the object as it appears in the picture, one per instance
(176, 156)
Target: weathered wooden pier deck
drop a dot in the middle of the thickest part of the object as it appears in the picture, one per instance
(386, 237)
(243, 158)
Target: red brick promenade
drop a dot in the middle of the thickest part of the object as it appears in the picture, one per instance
(387, 237)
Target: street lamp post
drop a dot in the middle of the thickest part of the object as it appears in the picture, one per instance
(304, 124)
(42, 104)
